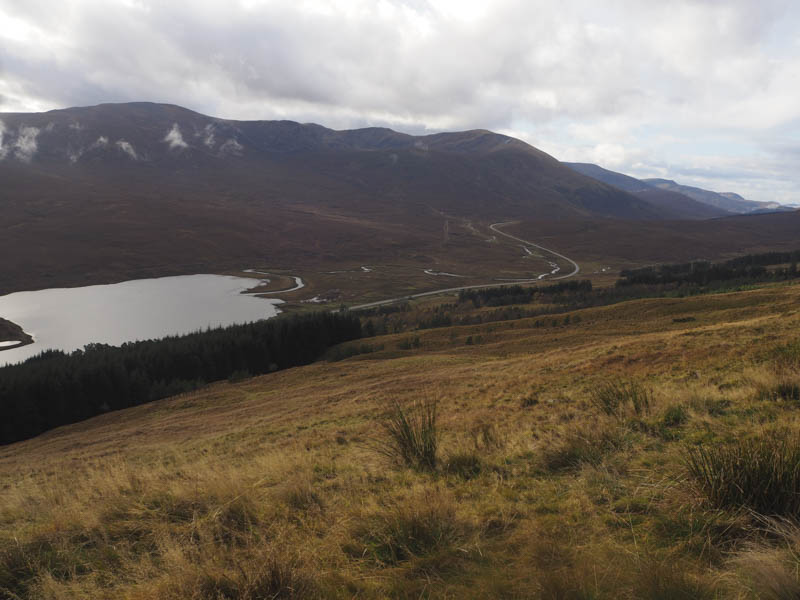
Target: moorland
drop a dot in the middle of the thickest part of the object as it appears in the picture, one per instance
(615, 451)
(621, 429)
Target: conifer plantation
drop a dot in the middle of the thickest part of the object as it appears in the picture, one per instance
(55, 388)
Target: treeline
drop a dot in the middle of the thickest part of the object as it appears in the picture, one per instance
(55, 388)
(516, 294)
(507, 301)
(385, 309)
(674, 280)
(751, 268)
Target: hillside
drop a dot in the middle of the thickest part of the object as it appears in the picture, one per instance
(131, 190)
(618, 180)
(726, 201)
(619, 244)
(674, 204)
(273, 487)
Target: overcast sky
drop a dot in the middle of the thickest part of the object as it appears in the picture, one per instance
(704, 92)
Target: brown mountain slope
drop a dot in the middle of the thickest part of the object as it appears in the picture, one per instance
(682, 207)
(727, 201)
(622, 243)
(117, 191)
(672, 203)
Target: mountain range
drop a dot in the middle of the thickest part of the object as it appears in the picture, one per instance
(116, 191)
(468, 172)
(692, 202)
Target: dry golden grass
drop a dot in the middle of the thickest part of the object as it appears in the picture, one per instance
(271, 488)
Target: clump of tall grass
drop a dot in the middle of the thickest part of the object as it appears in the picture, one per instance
(409, 435)
(276, 575)
(761, 474)
(770, 567)
(675, 415)
(299, 494)
(23, 564)
(665, 580)
(782, 389)
(620, 398)
(464, 464)
(420, 525)
(787, 356)
(582, 445)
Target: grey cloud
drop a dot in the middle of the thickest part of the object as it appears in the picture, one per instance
(26, 145)
(127, 148)
(460, 75)
(532, 67)
(208, 135)
(231, 147)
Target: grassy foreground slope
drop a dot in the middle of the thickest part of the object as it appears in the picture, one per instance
(272, 488)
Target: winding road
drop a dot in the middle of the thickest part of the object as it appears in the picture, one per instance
(576, 269)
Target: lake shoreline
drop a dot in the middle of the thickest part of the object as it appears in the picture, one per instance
(68, 319)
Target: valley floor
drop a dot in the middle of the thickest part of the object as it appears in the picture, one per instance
(272, 487)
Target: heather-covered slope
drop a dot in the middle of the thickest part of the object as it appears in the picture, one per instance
(118, 191)
(673, 203)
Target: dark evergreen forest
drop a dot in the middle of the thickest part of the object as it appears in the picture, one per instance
(749, 268)
(516, 294)
(55, 388)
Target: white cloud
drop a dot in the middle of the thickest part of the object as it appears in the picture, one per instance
(208, 135)
(25, 146)
(231, 147)
(174, 138)
(127, 148)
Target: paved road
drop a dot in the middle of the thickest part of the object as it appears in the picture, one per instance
(495, 228)
(576, 268)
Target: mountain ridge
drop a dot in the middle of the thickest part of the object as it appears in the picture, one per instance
(180, 129)
(120, 191)
(728, 201)
(680, 206)
(677, 195)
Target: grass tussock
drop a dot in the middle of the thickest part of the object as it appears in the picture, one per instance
(622, 399)
(465, 464)
(771, 571)
(299, 494)
(787, 356)
(409, 435)
(675, 415)
(585, 444)
(273, 575)
(760, 473)
(786, 389)
(420, 525)
(668, 580)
